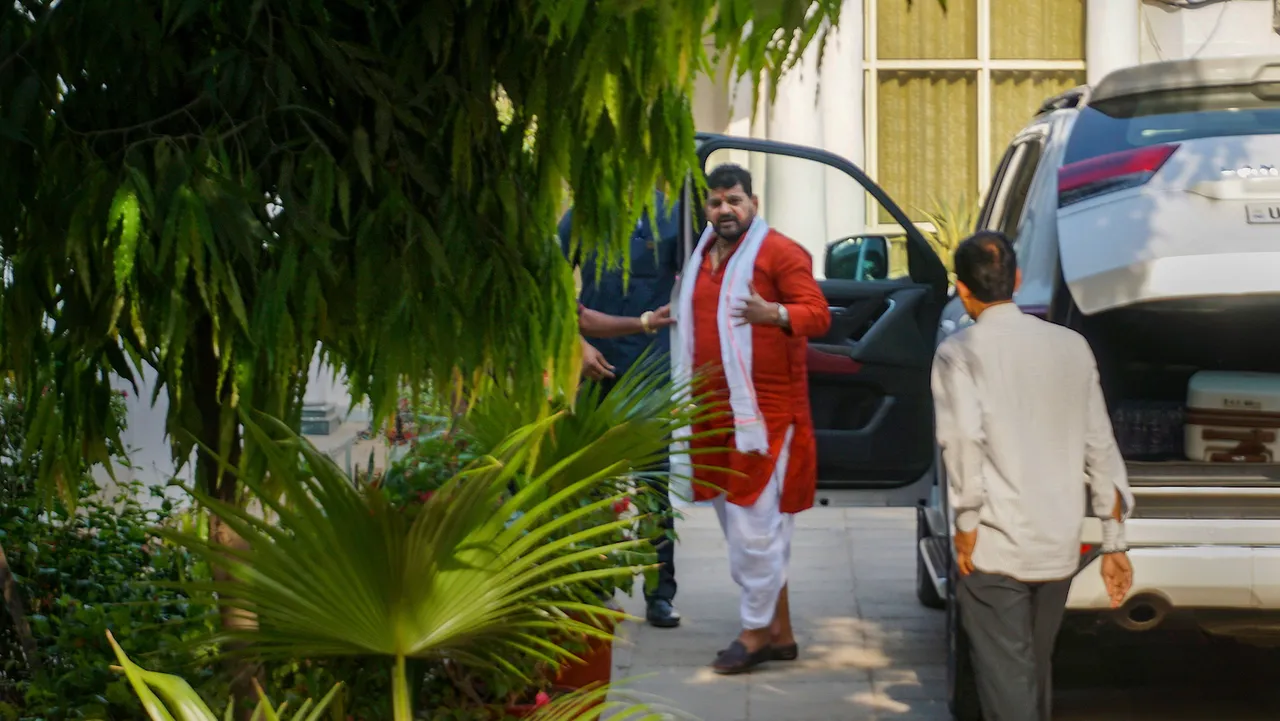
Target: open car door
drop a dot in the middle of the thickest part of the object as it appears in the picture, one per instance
(869, 376)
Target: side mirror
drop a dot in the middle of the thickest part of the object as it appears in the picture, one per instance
(858, 257)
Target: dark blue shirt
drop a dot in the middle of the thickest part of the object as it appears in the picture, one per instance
(654, 264)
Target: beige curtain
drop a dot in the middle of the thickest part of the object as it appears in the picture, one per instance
(927, 121)
(1016, 95)
(922, 29)
(927, 144)
(1037, 29)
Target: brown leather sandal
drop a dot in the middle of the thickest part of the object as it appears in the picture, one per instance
(789, 652)
(737, 659)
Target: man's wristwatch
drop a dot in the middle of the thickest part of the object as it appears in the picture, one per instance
(784, 318)
(644, 322)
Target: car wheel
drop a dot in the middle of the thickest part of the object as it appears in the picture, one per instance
(926, 591)
(962, 684)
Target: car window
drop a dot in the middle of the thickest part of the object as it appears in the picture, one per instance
(1024, 171)
(993, 193)
(1008, 195)
(1138, 121)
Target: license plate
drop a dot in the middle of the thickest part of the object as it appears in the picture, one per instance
(1268, 213)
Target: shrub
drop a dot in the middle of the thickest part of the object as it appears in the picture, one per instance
(83, 574)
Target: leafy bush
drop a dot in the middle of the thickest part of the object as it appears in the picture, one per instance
(85, 573)
(80, 574)
(435, 455)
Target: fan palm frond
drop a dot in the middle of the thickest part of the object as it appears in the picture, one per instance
(478, 575)
(634, 421)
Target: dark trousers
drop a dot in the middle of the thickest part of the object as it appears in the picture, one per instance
(666, 587)
(1012, 627)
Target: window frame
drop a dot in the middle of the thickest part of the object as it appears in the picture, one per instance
(983, 66)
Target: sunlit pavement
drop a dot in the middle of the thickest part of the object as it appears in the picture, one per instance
(869, 651)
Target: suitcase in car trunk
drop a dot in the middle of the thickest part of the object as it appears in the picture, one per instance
(1233, 417)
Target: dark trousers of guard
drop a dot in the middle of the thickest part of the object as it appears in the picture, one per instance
(666, 547)
(1012, 627)
(666, 587)
(665, 590)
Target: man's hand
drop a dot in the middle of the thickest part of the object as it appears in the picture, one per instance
(594, 366)
(756, 310)
(965, 543)
(661, 318)
(1117, 575)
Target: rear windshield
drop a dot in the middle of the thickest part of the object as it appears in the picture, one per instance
(1127, 123)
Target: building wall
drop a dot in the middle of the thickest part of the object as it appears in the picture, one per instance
(1239, 27)
(145, 437)
(926, 101)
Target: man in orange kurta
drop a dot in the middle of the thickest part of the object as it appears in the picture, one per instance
(744, 312)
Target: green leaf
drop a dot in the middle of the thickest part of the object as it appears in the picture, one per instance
(360, 147)
(169, 698)
(126, 216)
(344, 198)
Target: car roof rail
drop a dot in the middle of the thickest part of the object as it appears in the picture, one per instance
(1073, 98)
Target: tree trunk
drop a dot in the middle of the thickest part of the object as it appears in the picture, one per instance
(243, 671)
(18, 614)
(224, 487)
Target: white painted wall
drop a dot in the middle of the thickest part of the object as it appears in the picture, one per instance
(816, 203)
(145, 437)
(1234, 28)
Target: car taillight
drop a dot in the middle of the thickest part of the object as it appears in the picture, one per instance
(1111, 172)
(1085, 549)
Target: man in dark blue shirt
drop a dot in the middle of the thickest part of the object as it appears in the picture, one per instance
(655, 260)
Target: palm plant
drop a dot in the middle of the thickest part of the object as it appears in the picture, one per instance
(632, 421)
(477, 577)
(952, 223)
(169, 698)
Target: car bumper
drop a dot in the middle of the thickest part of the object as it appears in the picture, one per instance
(1191, 577)
(1192, 564)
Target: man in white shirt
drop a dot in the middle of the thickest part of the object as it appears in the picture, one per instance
(1025, 437)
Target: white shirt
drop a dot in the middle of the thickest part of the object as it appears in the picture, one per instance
(1024, 431)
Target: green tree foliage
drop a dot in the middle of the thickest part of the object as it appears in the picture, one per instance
(210, 191)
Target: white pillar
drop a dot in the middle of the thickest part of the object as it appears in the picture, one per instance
(843, 128)
(794, 197)
(1112, 36)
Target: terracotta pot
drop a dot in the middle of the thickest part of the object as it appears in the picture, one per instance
(596, 666)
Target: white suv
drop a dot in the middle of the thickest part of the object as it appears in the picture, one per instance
(1146, 215)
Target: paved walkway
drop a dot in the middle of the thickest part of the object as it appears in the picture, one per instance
(871, 652)
(868, 649)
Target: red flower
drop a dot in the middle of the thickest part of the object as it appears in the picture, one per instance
(426, 496)
(622, 506)
(542, 699)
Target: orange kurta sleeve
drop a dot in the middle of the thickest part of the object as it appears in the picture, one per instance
(799, 292)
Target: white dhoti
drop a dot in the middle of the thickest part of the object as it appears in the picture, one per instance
(759, 538)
